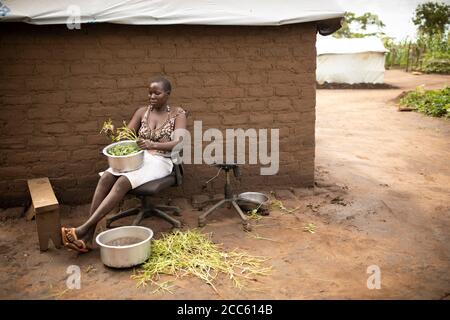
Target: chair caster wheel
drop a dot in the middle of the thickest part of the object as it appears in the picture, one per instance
(201, 223)
(177, 213)
(177, 226)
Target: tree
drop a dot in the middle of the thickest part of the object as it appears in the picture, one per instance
(361, 23)
(432, 18)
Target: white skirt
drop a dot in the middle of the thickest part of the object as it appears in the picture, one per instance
(155, 167)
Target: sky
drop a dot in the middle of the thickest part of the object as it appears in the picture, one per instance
(395, 14)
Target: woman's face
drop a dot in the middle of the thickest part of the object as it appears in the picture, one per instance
(157, 95)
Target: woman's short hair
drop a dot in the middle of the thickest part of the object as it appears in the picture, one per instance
(167, 86)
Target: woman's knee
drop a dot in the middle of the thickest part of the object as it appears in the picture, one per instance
(107, 179)
(122, 185)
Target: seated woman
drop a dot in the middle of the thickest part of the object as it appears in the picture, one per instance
(155, 125)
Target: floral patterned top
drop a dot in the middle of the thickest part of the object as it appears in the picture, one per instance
(163, 133)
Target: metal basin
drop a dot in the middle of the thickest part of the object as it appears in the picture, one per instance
(124, 163)
(125, 247)
(252, 200)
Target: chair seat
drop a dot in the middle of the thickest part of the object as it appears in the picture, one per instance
(153, 187)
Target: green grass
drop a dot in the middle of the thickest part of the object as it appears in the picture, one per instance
(434, 103)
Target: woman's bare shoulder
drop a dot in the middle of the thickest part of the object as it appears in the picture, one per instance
(141, 110)
(179, 110)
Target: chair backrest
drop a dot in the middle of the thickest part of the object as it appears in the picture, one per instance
(178, 173)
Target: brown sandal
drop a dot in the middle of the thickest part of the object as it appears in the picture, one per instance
(75, 244)
(64, 233)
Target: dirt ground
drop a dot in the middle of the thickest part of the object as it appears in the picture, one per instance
(382, 198)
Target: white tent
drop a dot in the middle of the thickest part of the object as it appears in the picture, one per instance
(164, 12)
(356, 60)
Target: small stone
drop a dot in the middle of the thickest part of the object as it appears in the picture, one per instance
(338, 200)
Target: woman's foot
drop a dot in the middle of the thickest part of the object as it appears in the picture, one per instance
(86, 236)
(89, 236)
(71, 241)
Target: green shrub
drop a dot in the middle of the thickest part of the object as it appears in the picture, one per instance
(436, 62)
(430, 54)
(435, 103)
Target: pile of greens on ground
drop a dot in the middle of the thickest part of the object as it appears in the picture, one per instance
(121, 133)
(193, 253)
(435, 103)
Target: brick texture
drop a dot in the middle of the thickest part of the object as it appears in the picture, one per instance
(57, 86)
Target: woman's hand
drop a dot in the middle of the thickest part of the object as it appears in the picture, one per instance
(145, 144)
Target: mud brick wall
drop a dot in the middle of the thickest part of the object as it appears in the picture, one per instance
(57, 86)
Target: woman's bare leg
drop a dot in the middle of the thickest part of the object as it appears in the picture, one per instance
(104, 186)
(113, 198)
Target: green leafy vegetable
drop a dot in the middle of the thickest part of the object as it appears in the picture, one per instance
(119, 134)
(123, 149)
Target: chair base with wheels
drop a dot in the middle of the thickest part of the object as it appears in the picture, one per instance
(229, 198)
(148, 209)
